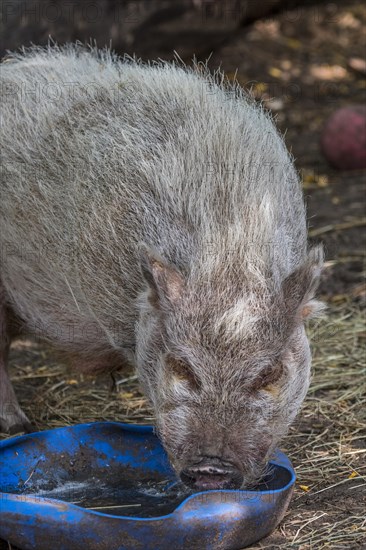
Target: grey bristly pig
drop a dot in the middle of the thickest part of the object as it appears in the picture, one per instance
(151, 215)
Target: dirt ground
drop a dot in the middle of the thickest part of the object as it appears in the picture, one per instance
(297, 62)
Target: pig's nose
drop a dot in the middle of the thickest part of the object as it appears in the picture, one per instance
(210, 476)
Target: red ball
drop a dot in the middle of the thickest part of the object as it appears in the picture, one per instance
(343, 140)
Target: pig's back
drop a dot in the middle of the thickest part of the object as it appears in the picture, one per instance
(99, 154)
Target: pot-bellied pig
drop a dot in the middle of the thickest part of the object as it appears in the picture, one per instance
(151, 215)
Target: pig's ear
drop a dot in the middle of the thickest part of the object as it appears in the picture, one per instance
(164, 280)
(299, 288)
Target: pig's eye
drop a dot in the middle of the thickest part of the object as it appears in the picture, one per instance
(181, 371)
(268, 377)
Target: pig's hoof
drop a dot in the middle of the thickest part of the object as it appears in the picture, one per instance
(25, 427)
(16, 423)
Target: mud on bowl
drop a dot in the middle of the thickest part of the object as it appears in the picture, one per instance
(109, 486)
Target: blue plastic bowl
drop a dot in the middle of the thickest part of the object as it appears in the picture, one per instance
(109, 486)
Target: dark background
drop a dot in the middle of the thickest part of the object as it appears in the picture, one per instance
(147, 28)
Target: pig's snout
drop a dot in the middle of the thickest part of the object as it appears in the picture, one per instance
(211, 474)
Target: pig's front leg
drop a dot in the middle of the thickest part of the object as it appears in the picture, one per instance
(12, 418)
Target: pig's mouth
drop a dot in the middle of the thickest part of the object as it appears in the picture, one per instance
(208, 477)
